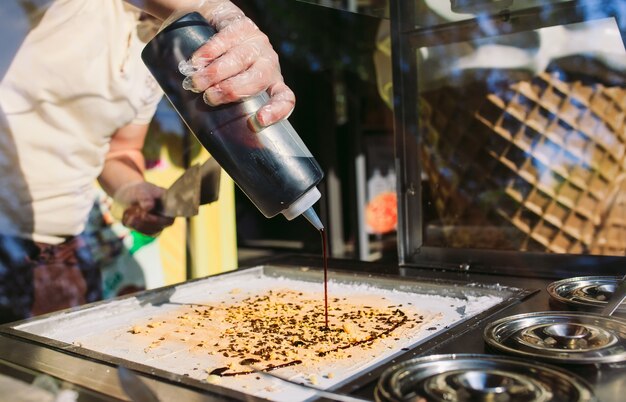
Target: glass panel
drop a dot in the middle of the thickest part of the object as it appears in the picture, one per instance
(523, 131)
(375, 8)
(429, 13)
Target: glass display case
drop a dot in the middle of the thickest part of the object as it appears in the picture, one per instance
(511, 134)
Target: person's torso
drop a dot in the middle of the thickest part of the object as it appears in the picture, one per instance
(76, 78)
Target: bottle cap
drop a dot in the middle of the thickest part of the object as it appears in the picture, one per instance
(302, 204)
(313, 219)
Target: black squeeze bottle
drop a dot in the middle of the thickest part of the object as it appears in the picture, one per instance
(272, 167)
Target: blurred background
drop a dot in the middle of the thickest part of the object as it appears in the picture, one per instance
(520, 143)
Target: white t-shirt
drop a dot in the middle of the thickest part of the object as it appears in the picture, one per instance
(76, 78)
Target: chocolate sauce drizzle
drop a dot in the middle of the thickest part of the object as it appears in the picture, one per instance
(222, 371)
(369, 339)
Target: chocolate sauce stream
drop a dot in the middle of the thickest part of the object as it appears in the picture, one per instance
(223, 371)
(325, 257)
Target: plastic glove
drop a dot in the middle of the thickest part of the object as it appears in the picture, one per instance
(237, 62)
(139, 200)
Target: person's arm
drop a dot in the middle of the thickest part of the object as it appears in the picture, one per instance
(236, 63)
(124, 162)
(122, 178)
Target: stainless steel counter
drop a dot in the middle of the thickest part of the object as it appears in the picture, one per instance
(26, 355)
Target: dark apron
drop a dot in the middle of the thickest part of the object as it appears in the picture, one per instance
(38, 278)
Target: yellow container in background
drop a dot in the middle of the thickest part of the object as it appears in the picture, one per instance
(213, 240)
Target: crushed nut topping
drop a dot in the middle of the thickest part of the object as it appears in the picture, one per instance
(275, 329)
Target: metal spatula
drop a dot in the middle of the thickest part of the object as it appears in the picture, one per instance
(618, 297)
(136, 389)
(183, 197)
(197, 186)
(334, 396)
(210, 175)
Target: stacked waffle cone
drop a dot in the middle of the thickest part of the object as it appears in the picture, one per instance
(536, 165)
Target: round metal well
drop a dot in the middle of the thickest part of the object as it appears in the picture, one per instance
(472, 377)
(560, 337)
(585, 293)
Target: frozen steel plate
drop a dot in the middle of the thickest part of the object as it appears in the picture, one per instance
(212, 332)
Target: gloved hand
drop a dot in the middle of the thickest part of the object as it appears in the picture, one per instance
(139, 201)
(237, 62)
